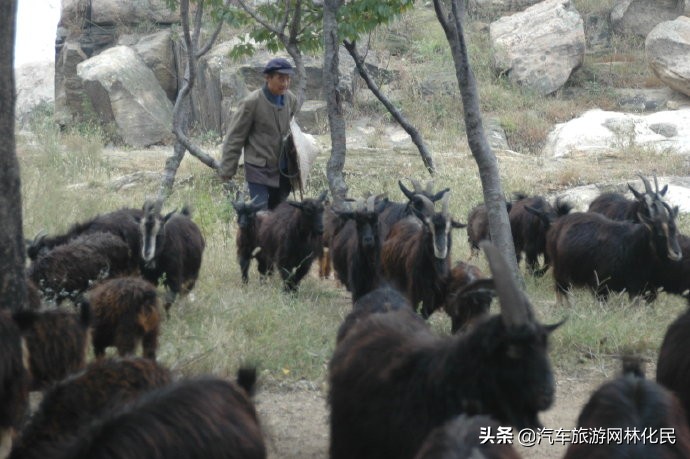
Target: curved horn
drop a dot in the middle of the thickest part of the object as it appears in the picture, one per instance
(444, 205)
(647, 185)
(429, 187)
(515, 307)
(417, 186)
(408, 194)
(370, 204)
(40, 236)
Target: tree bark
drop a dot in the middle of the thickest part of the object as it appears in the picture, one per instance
(336, 121)
(12, 277)
(416, 137)
(494, 198)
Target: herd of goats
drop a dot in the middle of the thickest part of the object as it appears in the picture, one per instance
(397, 389)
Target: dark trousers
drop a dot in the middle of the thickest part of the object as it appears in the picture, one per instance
(267, 196)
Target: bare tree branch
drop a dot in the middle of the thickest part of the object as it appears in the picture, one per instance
(351, 47)
(279, 32)
(296, 21)
(286, 16)
(214, 36)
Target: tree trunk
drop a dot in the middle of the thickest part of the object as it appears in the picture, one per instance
(12, 277)
(494, 198)
(336, 121)
(402, 121)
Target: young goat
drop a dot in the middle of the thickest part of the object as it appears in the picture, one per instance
(356, 250)
(478, 227)
(171, 246)
(461, 438)
(247, 233)
(207, 418)
(630, 403)
(83, 397)
(588, 249)
(57, 342)
(290, 238)
(125, 312)
(530, 218)
(468, 295)
(66, 271)
(392, 380)
(123, 223)
(416, 257)
(14, 382)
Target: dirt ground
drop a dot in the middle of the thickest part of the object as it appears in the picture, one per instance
(295, 420)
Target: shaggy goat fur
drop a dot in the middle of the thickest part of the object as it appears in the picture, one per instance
(14, 381)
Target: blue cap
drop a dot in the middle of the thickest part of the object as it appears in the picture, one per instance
(280, 65)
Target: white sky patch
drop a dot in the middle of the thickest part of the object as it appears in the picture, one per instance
(36, 26)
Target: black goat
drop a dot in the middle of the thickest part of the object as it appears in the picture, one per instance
(247, 233)
(588, 249)
(125, 312)
(674, 276)
(416, 206)
(172, 246)
(380, 300)
(290, 239)
(617, 207)
(468, 295)
(632, 404)
(461, 438)
(356, 250)
(57, 342)
(123, 223)
(392, 380)
(206, 418)
(83, 397)
(67, 270)
(14, 382)
(478, 226)
(530, 218)
(673, 365)
(416, 257)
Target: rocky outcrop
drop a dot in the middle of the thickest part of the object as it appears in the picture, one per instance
(639, 17)
(598, 131)
(539, 47)
(68, 86)
(116, 12)
(121, 90)
(34, 85)
(667, 48)
(488, 7)
(157, 51)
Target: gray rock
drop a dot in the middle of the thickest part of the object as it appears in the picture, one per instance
(34, 85)
(496, 135)
(313, 117)
(539, 47)
(121, 89)
(129, 12)
(639, 17)
(69, 90)
(648, 100)
(667, 48)
(489, 7)
(157, 52)
(665, 129)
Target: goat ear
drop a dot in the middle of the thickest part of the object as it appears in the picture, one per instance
(439, 195)
(323, 196)
(299, 205)
(675, 211)
(663, 190)
(168, 215)
(456, 224)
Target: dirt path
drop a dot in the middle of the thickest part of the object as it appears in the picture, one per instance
(296, 421)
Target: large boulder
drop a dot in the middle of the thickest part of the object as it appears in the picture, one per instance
(488, 7)
(120, 12)
(34, 86)
(539, 47)
(639, 17)
(599, 131)
(69, 91)
(123, 91)
(668, 52)
(157, 51)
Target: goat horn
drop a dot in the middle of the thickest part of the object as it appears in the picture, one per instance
(515, 307)
(444, 205)
(371, 202)
(408, 194)
(416, 185)
(430, 187)
(40, 235)
(656, 185)
(647, 185)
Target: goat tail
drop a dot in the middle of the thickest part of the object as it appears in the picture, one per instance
(246, 379)
(186, 210)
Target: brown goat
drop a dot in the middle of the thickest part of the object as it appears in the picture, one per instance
(208, 418)
(416, 257)
(392, 380)
(461, 438)
(478, 227)
(632, 404)
(125, 312)
(14, 382)
(468, 295)
(246, 241)
(83, 397)
(57, 342)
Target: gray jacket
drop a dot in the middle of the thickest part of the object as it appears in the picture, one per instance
(258, 126)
